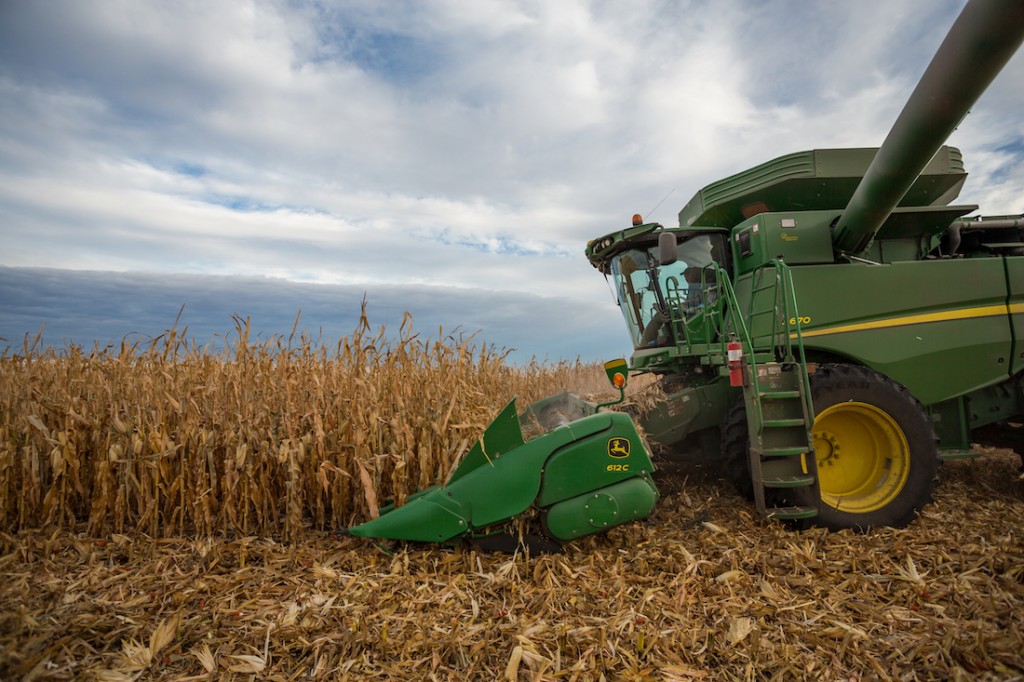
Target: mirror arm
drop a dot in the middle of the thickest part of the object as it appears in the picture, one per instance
(622, 396)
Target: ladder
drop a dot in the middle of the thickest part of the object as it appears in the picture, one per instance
(777, 396)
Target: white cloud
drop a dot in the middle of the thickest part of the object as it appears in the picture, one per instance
(478, 145)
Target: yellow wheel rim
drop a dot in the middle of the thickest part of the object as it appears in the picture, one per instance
(863, 457)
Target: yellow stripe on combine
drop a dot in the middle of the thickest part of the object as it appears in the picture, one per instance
(924, 318)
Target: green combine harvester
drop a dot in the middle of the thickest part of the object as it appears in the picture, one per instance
(827, 325)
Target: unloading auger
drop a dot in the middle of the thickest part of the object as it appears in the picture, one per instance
(589, 471)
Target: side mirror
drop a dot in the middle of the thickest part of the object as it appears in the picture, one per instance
(668, 248)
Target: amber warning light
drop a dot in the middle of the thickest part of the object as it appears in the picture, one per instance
(638, 219)
(618, 372)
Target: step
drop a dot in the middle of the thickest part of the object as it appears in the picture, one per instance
(784, 423)
(788, 482)
(779, 395)
(997, 246)
(791, 512)
(785, 452)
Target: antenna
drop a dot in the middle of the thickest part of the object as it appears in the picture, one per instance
(661, 202)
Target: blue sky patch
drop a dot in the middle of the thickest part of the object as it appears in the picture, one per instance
(399, 59)
(191, 169)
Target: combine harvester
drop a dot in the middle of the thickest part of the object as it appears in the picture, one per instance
(826, 324)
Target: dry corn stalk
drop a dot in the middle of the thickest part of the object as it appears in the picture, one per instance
(263, 438)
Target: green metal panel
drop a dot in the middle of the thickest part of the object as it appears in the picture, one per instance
(995, 403)
(950, 421)
(803, 237)
(432, 517)
(917, 221)
(1015, 305)
(938, 327)
(688, 410)
(602, 509)
(488, 494)
(813, 180)
(496, 493)
(603, 458)
(503, 435)
(798, 237)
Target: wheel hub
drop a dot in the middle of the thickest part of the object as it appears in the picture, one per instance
(863, 456)
(826, 445)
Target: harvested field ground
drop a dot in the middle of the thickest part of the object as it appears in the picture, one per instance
(166, 513)
(703, 590)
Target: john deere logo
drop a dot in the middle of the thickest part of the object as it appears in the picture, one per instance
(618, 447)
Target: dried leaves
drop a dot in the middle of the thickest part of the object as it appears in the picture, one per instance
(665, 600)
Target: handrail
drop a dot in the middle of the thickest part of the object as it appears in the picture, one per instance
(791, 328)
(784, 330)
(739, 325)
(786, 318)
(791, 304)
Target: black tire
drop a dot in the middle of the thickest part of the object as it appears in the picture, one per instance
(876, 450)
(736, 455)
(735, 449)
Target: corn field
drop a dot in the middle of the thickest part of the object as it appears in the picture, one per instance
(264, 438)
(168, 512)
(706, 589)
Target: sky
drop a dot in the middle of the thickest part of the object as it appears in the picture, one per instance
(450, 159)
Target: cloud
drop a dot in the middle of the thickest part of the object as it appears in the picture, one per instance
(475, 146)
(83, 308)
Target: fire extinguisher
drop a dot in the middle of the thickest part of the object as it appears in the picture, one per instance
(735, 351)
